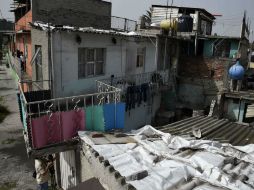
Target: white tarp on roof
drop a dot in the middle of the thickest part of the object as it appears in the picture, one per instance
(175, 163)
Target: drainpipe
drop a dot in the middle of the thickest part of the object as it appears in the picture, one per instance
(52, 67)
(156, 52)
(239, 110)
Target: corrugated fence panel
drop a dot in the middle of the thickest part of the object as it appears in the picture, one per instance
(250, 111)
(159, 14)
(68, 169)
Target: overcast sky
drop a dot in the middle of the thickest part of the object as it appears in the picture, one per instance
(229, 24)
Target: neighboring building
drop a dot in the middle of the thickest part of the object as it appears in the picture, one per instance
(6, 37)
(199, 74)
(199, 22)
(79, 13)
(95, 77)
(81, 56)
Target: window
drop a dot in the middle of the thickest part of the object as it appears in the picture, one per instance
(38, 63)
(141, 57)
(91, 62)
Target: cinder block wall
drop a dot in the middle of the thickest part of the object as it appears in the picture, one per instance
(81, 13)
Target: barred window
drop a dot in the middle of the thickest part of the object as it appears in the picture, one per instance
(91, 62)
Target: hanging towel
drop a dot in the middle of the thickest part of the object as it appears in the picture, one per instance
(72, 122)
(46, 130)
(54, 128)
(39, 132)
(120, 115)
(94, 118)
(114, 116)
(20, 108)
(109, 112)
(24, 116)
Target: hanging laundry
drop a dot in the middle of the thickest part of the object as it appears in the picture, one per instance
(120, 115)
(20, 108)
(24, 114)
(46, 130)
(138, 91)
(130, 97)
(54, 128)
(144, 91)
(72, 122)
(109, 112)
(114, 116)
(94, 118)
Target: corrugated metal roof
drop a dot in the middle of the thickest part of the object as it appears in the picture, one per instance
(160, 161)
(187, 8)
(212, 129)
(45, 26)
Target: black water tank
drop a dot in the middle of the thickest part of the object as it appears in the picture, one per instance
(185, 23)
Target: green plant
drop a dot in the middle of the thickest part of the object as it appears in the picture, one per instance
(8, 185)
(3, 110)
(8, 141)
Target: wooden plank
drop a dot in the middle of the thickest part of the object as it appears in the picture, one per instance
(53, 149)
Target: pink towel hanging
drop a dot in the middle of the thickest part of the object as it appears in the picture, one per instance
(46, 130)
(72, 122)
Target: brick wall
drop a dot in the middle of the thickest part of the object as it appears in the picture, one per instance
(23, 23)
(82, 13)
(203, 68)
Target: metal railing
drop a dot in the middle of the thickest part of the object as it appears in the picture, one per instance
(105, 94)
(158, 77)
(30, 85)
(123, 24)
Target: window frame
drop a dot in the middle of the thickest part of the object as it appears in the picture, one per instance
(85, 74)
(141, 52)
(38, 65)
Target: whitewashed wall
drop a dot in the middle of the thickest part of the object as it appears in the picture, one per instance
(120, 60)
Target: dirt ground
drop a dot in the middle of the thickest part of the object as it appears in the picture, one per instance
(15, 167)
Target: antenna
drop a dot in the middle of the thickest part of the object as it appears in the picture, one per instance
(170, 10)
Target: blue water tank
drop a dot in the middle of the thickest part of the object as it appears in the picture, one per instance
(236, 72)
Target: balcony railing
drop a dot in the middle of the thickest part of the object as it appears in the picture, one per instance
(49, 122)
(159, 78)
(123, 24)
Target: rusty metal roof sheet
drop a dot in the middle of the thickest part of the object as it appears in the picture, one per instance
(212, 129)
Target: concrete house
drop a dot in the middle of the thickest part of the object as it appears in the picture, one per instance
(200, 74)
(6, 37)
(81, 56)
(99, 76)
(79, 13)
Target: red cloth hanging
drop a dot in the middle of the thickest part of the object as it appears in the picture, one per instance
(72, 122)
(46, 130)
